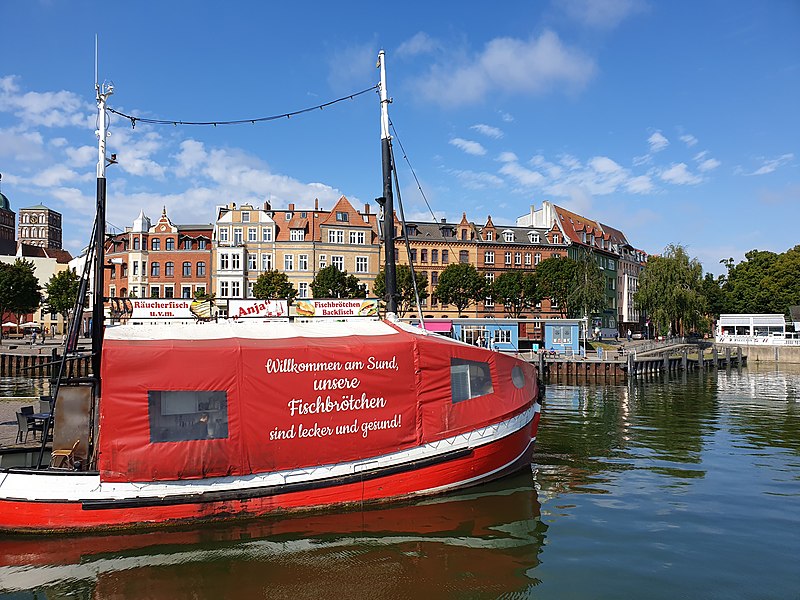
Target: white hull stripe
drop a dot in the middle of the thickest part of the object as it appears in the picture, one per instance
(50, 486)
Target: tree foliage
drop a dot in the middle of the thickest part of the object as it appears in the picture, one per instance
(460, 284)
(765, 282)
(588, 294)
(517, 292)
(274, 285)
(405, 288)
(671, 291)
(557, 277)
(62, 291)
(330, 282)
(19, 288)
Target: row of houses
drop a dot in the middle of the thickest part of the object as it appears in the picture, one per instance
(168, 260)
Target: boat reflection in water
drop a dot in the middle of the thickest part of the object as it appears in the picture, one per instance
(481, 542)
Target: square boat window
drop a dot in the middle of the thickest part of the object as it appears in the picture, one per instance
(184, 416)
(469, 379)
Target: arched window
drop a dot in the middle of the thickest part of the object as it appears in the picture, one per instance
(169, 269)
(155, 245)
(136, 243)
(155, 269)
(187, 269)
(170, 245)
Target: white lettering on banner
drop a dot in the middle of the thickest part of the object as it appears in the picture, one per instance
(330, 376)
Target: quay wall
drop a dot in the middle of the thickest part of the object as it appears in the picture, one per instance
(764, 353)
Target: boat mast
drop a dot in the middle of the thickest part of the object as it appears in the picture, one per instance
(387, 200)
(103, 92)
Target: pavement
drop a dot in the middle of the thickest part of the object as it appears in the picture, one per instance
(9, 407)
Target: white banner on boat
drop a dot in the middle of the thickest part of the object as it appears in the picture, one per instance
(258, 309)
(357, 307)
(161, 309)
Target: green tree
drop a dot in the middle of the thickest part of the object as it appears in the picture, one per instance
(764, 282)
(670, 291)
(460, 284)
(330, 282)
(62, 291)
(588, 295)
(405, 288)
(557, 278)
(274, 285)
(19, 288)
(517, 292)
(715, 296)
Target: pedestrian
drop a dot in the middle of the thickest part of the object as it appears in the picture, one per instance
(629, 334)
(33, 338)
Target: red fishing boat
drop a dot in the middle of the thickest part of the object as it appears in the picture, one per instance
(218, 420)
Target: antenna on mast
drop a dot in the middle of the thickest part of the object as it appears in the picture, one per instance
(95, 61)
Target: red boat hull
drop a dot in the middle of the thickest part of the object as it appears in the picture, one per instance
(480, 464)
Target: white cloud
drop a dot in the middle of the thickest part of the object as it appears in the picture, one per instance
(419, 43)
(708, 165)
(602, 14)
(22, 146)
(772, 164)
(679, 174)
(657, 142)
(352, 66)
(640, 185)
(478, 180)
(689, 140)
(468, 146)
(55, 175)
(509, 65)
(522, 175)
(506, 117)
(507, 157)
(82, 156)
(46, 109)
(488, 131)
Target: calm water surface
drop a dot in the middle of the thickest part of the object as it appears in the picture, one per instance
(686, 487)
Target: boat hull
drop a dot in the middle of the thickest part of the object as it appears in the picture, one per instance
(449, 470)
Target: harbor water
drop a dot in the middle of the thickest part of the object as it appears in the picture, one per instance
(680, 486)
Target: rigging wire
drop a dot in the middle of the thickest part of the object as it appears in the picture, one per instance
(175, 122)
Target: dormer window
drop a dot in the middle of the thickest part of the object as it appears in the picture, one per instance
(342, 217)
(555, 238)
(533, 238)
(489, 236)
(288, 216)
(508, 236)
(245, 217)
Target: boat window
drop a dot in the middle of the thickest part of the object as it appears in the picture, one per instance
(469, 379)
(183, 416)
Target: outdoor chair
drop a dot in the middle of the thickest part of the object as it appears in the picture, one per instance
(32, 425)
(64, 459)
(26, 410)
(44, 404)
(24, 427)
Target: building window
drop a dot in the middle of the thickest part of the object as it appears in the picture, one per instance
(124, 270)
(136, 267)
(136, 243)
(297, 235)
(252, 262)
(236, 262)
(187, 244)
(250, 286)
(266, 234)
(362, 264)
(323, 261)
(236, 291)
(413, 255)
(245, 217)
(170, 245)
(288, 262)
(434, 257)
(338, 262)
(169, 269)
(201, 269)
(507, 258)
(508, 236)
(489, 276)
(534, 238)
(155, 245)
(154, 292)
(463, 256)
(224, 262)
(488, 257)
(528, 258)
(335, 236)
(517, 258)
(223, 234)
(537, 258)
(113, 271)
(266, 262)
(186, 292)
(223, 289)
(169, 291)
(445, 257)
(201, 244)
(423, 255)
(357, 237)
(252, 234)
(342, 217)
(489, 236)
(237, 235)
(302, 262)
(155, 269)
(434, 278)
(187, 269)
(488, 302)
(555, 238)
(302, 289)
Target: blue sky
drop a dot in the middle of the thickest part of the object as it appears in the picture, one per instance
(676, 122)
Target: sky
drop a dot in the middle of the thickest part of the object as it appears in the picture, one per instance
(676, 122)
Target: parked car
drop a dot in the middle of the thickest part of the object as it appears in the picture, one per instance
(637, 335)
